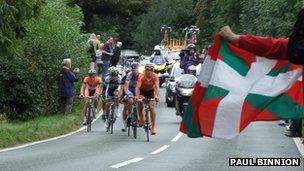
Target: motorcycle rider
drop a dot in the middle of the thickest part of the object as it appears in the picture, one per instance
(157, 58)
(192, 70)
(189, 59)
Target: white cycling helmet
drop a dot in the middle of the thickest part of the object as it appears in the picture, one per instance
(157, 47)
(92, 71)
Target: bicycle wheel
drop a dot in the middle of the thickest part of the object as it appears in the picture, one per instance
(88, 119)
(147, 126)
(134, 122)
(135, 131)
(128, 131)
(111, 119)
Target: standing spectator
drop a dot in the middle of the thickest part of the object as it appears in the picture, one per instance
(116, 51)
(93, 45)
(107, 53)
(66, 86)
(99, 59)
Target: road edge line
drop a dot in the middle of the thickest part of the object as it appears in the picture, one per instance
(47, 140)
(299, 145)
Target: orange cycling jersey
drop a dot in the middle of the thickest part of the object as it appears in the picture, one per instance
(147, 84)
(92, 84)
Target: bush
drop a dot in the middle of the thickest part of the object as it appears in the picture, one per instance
(30, 81)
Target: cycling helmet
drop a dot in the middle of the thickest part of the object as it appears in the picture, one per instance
(157, 47)
(113, 70)
(149, 66)
(135, 65)
(191, 46)
(92, 71)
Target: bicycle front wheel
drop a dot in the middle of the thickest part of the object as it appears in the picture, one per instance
(89, 119)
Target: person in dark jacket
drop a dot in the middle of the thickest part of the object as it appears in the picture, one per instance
(66, 86)
(116, 53)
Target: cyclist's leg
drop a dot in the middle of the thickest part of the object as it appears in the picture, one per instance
(85, 110)
(130, 105)
(152, 116)
(140, 113)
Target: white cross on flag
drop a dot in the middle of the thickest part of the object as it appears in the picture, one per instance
(236, 87)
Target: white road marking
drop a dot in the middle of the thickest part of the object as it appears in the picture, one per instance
(180, 134)
(137, 159)
(160, 149)
(299, 145)
(47, 140)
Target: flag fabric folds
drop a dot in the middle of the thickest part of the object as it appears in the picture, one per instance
(236, 87)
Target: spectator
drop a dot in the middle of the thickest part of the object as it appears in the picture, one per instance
(93, 44)
(99, 59)
(66, 86)
(116, 52)
(107, 53)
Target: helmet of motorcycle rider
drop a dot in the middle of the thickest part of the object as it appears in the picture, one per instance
(149, 66)
(157, 48)
(92, 71)
(119, 44)
(113, 71)
(191, 46)
(135, 65)
(192, 70)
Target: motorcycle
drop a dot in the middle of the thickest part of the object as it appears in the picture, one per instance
(161, 70)
(184, 91)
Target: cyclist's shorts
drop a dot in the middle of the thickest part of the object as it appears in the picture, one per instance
(132, 90)
(147, 94)
(110, 92)
(90, 92)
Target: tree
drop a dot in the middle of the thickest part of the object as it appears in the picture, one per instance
(177, 14)
(108, 17)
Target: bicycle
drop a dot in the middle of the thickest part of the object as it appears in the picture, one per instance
(90, 112)
(132, 121)
(147, 123)
(111, 117)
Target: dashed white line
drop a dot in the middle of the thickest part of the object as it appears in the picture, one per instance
(299, 145)
(160, 149)
(137, 159)
(177, 137)
(47, 140)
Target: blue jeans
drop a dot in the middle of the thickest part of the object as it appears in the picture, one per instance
(105, 68)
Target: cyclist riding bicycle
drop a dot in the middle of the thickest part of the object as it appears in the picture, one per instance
(147, 87)
(91, 86)
(129, 89)
(112, 84)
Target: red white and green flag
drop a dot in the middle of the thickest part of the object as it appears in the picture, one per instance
(236, 87)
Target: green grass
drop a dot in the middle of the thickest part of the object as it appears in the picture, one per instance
(15, 133)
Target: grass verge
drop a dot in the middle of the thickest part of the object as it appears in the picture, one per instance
(15, 133)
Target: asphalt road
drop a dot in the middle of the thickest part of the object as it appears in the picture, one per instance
(99, 150)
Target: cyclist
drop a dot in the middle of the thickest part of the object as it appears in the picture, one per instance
(148, 87)
(91, 86)
(129, 89)
(157, 58)
(112, 84)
